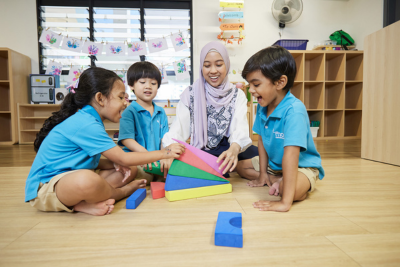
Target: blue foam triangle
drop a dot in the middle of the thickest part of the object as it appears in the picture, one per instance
(174, 182)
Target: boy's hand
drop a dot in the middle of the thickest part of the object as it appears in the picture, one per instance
(126, 171)
(165, 164)
(149, 166)
(231, 158)
(262, 180)
(271, 205)
(173, 151)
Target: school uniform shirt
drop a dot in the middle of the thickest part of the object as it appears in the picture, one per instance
(288, 125)
(137, 123)
(74, 144)
(238, 131)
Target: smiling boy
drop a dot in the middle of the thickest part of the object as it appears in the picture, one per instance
(288, 161)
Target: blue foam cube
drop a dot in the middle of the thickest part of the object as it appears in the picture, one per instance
(136, 198)
(228, 231)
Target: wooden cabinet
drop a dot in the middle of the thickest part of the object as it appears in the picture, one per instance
(14, 75)
(31, 118)
(330, 84)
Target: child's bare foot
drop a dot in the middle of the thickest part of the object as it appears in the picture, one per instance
(97, 209)
(133, 186)
(274, 188)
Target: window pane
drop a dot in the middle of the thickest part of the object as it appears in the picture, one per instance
(116, 25)
(71, 21)
(161, 23)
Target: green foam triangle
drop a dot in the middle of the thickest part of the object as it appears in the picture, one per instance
(154, 169)
(180, 168)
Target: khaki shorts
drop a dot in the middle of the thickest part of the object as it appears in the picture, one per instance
(46, 199)
(311, 173)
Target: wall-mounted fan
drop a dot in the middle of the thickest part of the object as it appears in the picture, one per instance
(286, 11)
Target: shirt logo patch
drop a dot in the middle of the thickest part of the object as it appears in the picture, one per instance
(278, 135)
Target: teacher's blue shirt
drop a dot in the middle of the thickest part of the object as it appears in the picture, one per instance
(288, 125)
(74, 144)
(137, 123)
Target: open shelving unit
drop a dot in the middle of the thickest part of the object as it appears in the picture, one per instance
(14, 72)
(31, 118)
(330, 84)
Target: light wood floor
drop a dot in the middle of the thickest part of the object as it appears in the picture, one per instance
(352, 219)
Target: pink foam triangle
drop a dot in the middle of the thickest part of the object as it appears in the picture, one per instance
(200, 159)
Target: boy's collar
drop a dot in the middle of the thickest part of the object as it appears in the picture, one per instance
(281, 108)
(139, 108)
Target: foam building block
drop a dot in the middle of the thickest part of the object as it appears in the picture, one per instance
(155, 170)
(136, 198)
(157, 189)
(198, 192)
(174, 182)
(192, 159)
(179, 168)
(211, 160)
(228, 231)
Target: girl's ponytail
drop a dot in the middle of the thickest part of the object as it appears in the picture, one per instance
(91, 81)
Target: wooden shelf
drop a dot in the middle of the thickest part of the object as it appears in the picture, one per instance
(330, 84)
(14, 73)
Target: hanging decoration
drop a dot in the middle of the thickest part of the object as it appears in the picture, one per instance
(54, 68)
(137, 48)
(74, 74)
(72, 44)
(163, 71)
(50, 38)
(178, 41)
(92, 48)
(115, 49)
(157, 45)
(231, 21)
(122, 75)
(181, 71)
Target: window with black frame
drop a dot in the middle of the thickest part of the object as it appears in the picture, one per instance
(108, 22)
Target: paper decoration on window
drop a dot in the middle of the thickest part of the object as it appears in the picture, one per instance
(137, 49)
(181, 71)
(72, 44)
(50, 38)
(54, 68)
(92, 48)
(178, 41)
(157, 45)
(163, 71)
(74, 73)
(115, 49)
(122, 75)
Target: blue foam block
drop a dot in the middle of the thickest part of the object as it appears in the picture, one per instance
(174, 182)
(136, 198)
(228, 231)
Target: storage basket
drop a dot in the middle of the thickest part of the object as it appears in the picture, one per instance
(292, 44)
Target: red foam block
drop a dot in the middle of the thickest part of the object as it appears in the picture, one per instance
(157, 189)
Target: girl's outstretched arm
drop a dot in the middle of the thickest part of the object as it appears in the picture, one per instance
(117, 155)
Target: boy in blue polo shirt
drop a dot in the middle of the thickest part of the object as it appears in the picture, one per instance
(288, 161)
(143, 123)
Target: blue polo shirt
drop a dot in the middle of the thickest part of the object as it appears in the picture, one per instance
(288, 125)
(74, 144)
(137, 123)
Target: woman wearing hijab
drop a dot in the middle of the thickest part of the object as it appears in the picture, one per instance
(213, 113)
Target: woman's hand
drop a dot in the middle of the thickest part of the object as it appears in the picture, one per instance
(126, 171)
(230, 158)
(173, 151)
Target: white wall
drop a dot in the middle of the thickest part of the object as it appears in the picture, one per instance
(19, 28)
(319, 19)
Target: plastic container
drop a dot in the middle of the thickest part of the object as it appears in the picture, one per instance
(292, 44)
(314, 131)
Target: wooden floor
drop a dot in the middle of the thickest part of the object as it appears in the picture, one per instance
(352, 219)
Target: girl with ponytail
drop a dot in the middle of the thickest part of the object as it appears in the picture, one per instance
(70, 144)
